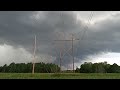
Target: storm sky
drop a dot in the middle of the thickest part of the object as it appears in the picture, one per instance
(98, 33)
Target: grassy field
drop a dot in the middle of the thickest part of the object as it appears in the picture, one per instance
(60, 76)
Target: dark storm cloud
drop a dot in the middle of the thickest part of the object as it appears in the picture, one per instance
(104, 35)
(18, 29)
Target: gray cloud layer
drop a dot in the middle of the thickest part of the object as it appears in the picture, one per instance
(18, 29)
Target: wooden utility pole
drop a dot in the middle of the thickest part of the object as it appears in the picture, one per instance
(60, 59)
(33, 69)
(73, 53)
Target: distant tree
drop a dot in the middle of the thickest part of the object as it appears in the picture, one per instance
(101, 67)
(27, 68)
(4, 68)
(114, 68)
(98, 68)
(86, 67)
(77, 70)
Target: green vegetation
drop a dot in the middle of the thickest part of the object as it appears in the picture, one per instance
(60, 76)
(27, 68)
(87, 67)
(87, 70)
(102, 67)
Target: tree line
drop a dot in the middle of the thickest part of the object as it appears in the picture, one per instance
(87, 67)
(27, 68)
(102, 67)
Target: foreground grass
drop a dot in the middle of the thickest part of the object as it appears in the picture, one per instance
(60, 76)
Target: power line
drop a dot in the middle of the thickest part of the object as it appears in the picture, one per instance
(89, 19)
(86, 28)
(69, 49)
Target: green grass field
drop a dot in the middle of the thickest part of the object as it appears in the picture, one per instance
(60, 76)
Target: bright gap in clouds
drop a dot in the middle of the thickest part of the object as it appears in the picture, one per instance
(9, 54)
(109, 57)
(98, 16)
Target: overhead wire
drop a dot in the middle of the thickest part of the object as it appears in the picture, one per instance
(85, 28)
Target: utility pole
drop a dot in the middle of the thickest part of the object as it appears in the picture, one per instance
(60, 59)
(68, 50)
(73, 53)
(33, 69)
